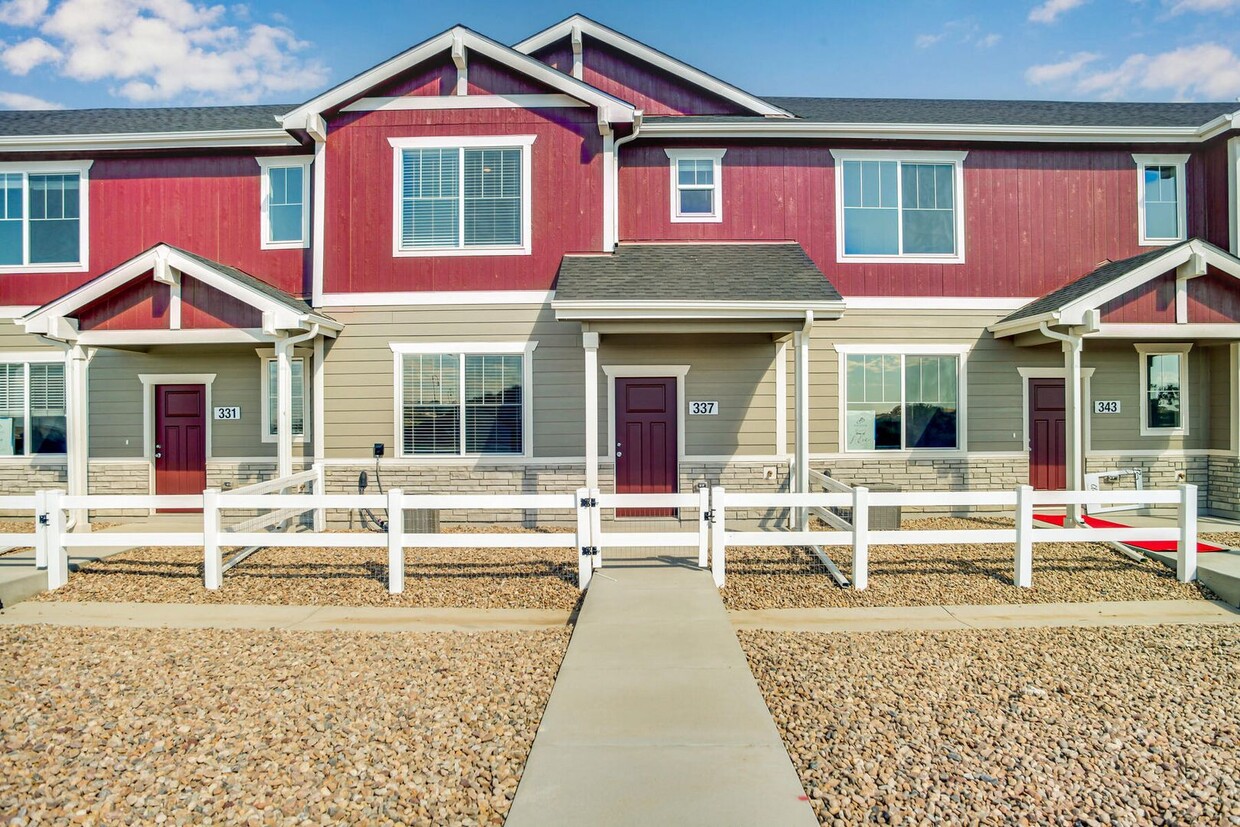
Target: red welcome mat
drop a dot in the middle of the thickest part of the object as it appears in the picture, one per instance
(1144, 545)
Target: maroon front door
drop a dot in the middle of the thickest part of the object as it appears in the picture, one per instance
(646, 460)
(180, 439)
(1048, 450)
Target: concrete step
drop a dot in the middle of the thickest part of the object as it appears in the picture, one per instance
(1218, 571)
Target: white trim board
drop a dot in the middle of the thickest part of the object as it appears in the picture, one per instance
(949, 303)
(221, 139)
(434, 102)
(467, 298)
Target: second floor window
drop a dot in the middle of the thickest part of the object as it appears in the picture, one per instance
(462, 199)
(900, 208)
(285, 202)
(697, 188)
(1160, 199)
(43, 217)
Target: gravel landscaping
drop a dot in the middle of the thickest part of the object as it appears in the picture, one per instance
(199, 727)
(478, 578)
(966, 573)
(1133, 725)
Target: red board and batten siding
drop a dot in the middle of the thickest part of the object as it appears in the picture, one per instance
(143, 304)
(1036, 218)
(207, 205)
(1212, 298)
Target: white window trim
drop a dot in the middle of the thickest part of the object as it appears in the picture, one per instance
(27, 359)
(525, 349)
(265, 414)
(266, 165)
(956, 159)
(522, 142)
(1180, 162)
(82, 168)
(1146, 349)
(961, 351)
(715, 156)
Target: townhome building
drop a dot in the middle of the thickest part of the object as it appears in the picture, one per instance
(577, 260)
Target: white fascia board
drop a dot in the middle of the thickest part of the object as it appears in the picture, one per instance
(654, 57)
(436, 102)
(275, 137)
(922, 303)
(436, 298)
(139, 338)
(923, 132)
(616, 311)
(1170, 331)
(1025, 325)
(613, 109)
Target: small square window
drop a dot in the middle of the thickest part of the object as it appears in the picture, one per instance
(696, 185)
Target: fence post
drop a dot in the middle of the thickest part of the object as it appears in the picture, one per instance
(41, 523)
(861, 538)
(718, 537)
(704, 518)
(57, 554)
(1186, 554)
(396, 540)
(212, 557)
(585, 542)
(596, 529)
(320, 488)
(1023, 577)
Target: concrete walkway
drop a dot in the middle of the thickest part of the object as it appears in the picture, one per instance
(655, 717)
(300, 618)
(1023, 616)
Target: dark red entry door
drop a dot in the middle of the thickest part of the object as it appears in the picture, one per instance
(1048, 450)
(180, 439)
(646, 461)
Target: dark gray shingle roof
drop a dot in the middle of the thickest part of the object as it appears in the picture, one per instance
(696, 272)
(1104, 275)
(140, 121)
(989, 112)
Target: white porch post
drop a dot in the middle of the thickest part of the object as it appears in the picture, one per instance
(284, 408)
(318, 401)
(800, 342)
(77, 360)
(1075, 420)
(589, 342)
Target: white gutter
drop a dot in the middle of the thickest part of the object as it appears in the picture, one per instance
(149, 140)
(1072, 345)
(284, 395)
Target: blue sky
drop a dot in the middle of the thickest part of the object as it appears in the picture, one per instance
(83, 53)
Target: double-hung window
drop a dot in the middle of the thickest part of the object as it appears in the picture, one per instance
(1161, 213)
(901, 401)
(285, 202)
(893, 206)
(297, 369)
(696, 185)
(43, 216)
(462, 196)
(1164, 388)
(463, 400)
(32, 408)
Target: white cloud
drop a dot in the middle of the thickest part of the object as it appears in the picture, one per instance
(158, 50)
(964, 31)
(1048, 73)
(29, 54)
(925, 41)
(1050, 11)
(16, 100)
(22, 12)
(989, 41)
(1203, 71)
(1203, 6)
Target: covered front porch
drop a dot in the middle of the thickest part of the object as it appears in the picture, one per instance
(683, 338)
(177, 368)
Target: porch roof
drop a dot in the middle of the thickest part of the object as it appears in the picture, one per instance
(708, 281)
(1070, 305)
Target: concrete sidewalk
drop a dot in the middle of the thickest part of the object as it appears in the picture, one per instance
(655, 717)
(1022, 616)
(300, 618)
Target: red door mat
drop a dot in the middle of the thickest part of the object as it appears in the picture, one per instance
(1144, 545)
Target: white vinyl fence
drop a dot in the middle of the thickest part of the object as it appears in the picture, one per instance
(709, 535)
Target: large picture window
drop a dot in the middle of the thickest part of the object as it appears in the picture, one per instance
(893, 207)
(32, 408)
(464, 197)
(43, 211)
(463, 403)
(898, 401)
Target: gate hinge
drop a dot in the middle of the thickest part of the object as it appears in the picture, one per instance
(709, 516)
(589, 551)
(589, 502)
(45, 519)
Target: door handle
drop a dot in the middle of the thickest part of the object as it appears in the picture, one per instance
(618, 454)
(159, 451)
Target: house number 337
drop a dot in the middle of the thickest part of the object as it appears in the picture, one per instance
(706, 408)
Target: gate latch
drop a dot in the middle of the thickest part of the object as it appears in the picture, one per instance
(709, 516)
(45, 519)
(589, 502)
(589, 551)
